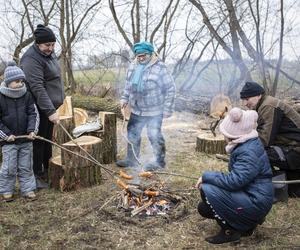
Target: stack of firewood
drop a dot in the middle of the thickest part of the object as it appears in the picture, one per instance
(148, 197)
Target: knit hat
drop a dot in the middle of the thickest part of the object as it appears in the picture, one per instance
(238, 123)
(13, 73)
(251, 89)
(43, 34)
(142, 47)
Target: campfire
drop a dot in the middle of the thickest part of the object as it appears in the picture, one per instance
(149, 196)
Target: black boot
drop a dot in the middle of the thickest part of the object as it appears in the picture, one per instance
(131, 159)
(224, 236)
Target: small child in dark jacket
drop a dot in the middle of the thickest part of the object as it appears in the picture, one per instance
(240, 199)
(18, 116)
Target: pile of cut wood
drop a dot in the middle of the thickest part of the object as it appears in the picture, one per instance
(148, 197)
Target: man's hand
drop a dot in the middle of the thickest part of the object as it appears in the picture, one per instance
(54, 118)
(199, 182)
(10, 138)
(31, 136)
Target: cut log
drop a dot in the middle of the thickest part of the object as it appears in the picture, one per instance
(218, 105)
(59, 135)
(80, 116)
(97, 104)
(66, 108)
(109, 136)
(91, 144)
(67, 178)
(209, 144)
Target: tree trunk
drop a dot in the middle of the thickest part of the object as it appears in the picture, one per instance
(67, 178)
(59, 135)
(109, 137)
(91, 144)
(209, 144)
(80, 116)
(97, 104)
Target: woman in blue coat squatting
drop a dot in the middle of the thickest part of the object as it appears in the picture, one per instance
(240, 199)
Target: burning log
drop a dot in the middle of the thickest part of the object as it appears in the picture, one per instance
(142, 208)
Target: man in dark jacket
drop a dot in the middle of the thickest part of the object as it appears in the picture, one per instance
(43, 76)
(279, 130)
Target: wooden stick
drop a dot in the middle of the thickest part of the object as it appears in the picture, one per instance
(140, 209)
(179, 175)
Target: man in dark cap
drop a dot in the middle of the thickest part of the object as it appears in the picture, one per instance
(278, 129)
(43, 76)
(150, 92)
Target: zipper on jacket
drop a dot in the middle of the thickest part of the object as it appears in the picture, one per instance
(16, 107)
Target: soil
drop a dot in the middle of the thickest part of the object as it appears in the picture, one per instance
(89, 218)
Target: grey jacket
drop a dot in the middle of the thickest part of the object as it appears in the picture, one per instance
(43, 78)
(158, 92)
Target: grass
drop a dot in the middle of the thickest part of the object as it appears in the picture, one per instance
(56, 220)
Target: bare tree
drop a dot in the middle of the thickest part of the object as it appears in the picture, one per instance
(239, 42)
(156, 28)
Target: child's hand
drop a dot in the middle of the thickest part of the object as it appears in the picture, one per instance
(31, 136)
(199, 182)
(10, 138)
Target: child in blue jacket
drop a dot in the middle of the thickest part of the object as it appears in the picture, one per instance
(240, 199)
(18, 116)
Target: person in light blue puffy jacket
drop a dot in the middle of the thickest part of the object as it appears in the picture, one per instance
(240, 199)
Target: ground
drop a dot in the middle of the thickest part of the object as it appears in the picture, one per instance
(85, 219)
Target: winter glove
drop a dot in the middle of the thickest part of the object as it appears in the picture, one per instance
(10, 138)
(31, 136)
(54, 118)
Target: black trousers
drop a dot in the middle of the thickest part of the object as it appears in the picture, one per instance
(206, 211)
(290, 165)
(42, 151)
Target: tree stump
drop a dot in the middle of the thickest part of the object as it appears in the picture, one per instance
(59, 135)
(109, 136)
(80, 116)
(209, 144)
(91, 144)
(67, 178)
(66, 108)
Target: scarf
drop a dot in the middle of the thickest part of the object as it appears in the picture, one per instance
(12, 93)
(136, 80)
(232, 144)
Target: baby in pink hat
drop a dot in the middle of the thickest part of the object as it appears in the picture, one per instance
(240, 199)
(238, 127)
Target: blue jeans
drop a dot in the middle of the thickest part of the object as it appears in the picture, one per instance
(17, 161)
(135, 126)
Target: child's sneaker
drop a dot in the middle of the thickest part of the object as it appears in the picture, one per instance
(8, 197)
(30, 196)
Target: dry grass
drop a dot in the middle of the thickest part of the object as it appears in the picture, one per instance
(49, 223)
